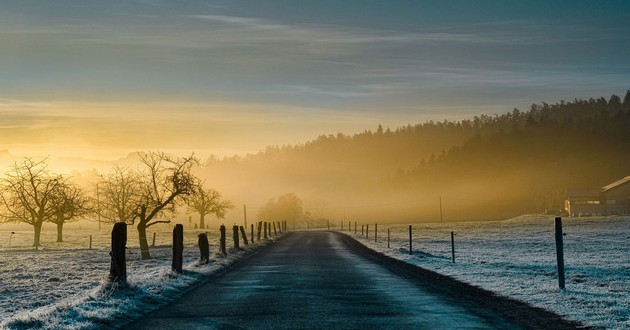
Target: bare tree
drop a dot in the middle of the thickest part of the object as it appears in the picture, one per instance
(165, 184)
(68, 203)
(207, 201)
(118, 195)
(147, 196)
(28, 194)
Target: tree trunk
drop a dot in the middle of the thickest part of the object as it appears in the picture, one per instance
(202, 221)
(144, 244)
(38, 231)
(60, 232)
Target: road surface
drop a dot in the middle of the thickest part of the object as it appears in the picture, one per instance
(320, 280)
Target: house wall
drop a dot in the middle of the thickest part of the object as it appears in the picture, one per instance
(617, 200)
(577, 209)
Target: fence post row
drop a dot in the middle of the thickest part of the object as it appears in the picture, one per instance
(204, 248)
(178, 248)
(118, 265)
(560, 252)
(222, 239)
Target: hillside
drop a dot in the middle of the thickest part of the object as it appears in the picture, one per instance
(484, 167)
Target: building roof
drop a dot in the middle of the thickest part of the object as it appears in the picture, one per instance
(583, 193)
(616, 184)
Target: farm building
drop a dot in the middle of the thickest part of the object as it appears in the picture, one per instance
(613, 199)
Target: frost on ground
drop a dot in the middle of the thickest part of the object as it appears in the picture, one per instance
(63, 285)
(517, 258)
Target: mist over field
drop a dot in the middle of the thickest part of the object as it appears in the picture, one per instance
(485, 167)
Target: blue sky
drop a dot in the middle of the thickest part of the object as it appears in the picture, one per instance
(295, 69)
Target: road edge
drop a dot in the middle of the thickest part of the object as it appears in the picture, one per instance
(522, 313)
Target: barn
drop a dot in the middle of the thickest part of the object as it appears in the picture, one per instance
(612, 199)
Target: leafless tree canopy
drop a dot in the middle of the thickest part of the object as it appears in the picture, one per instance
(207, 201)
(118, 195)
(68, 203)
(28, 194)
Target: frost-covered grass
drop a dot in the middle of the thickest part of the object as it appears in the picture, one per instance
(517, 258)
(63, 285)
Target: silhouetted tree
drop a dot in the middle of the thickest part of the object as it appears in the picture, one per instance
(165, 182)
(614, 104)
(207, 201)
(626, 101)
(68, 203)
(27, 197)
(118, 195)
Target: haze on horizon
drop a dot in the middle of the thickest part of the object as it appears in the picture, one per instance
(100, 79)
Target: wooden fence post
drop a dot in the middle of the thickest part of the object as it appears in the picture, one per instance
(560, 252)
(222, 239)
(265, 230)
(355, 227)
(275, 233)
(388, 238)
(341, 225)
(328, 223)
(178, 248)
(244, 235)
(410, 242)
(204, 248)
(367, 231)
(153, 240)
(376, 233)
(453, 246)
(362, 230)
(252, 233)
(235, 237)
(259, 230)
(279, 227)
(118, 265)
(90, 242)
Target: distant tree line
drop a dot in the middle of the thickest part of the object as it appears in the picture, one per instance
(504, 164)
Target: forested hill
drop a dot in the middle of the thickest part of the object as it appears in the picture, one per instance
(487, 166)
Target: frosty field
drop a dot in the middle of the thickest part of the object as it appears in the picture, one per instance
(517, 258)
(63, 285)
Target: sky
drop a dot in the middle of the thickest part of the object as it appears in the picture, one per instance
(99, 79)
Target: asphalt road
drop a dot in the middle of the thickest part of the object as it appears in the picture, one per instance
(318, 280)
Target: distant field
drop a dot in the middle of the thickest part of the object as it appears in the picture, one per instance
(517, 258)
